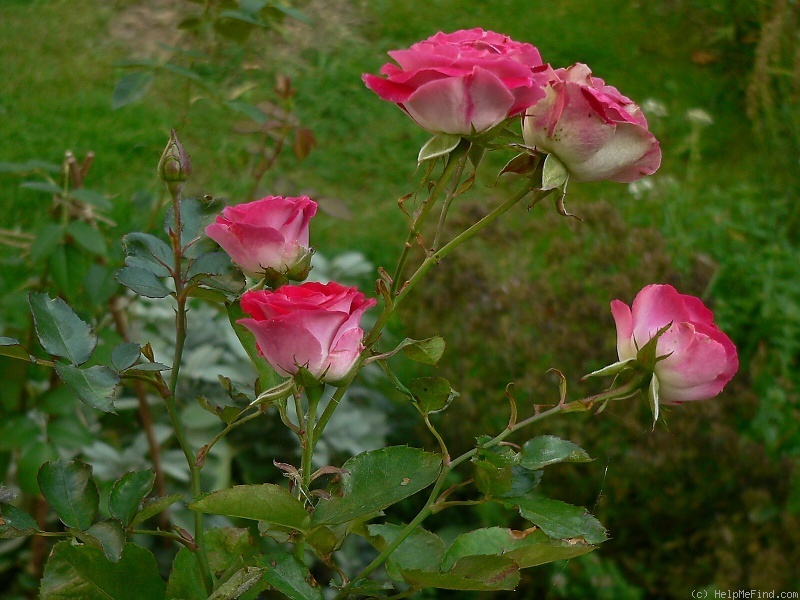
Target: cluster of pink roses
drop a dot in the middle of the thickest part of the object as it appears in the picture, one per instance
(466, 83)
(311, 325)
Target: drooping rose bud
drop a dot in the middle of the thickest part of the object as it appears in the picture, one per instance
(267, 236)
(693, 359)
(175, 165)
(595, 131)
(464, 82)
(312, 326)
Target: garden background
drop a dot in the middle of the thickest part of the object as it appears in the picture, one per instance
(710, 500)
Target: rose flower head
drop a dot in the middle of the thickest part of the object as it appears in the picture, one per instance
(596, 132)
(315, 326)
(462, 83)
(267, 234)
(693, 358)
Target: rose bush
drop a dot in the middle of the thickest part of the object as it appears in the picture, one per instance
(271, 233)
(464, 82)
(593, 129)
(313, 325)
(699, 358)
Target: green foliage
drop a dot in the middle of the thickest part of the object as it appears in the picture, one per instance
(69, 488)
(266, 502)
(83, 572)
(403, 470)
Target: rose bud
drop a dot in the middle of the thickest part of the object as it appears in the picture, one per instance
(313, 326)
(270, 234)
(464, 82)
(693, 359)
(175, 165)
(595, 131)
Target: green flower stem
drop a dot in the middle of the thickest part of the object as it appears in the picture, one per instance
(453, 160)
(313, 395)
(240, 420)
(438, 256)
(169, 400)
(327, 414)
(451, 193)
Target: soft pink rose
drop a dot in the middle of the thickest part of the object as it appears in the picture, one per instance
(464, 82)
(271, 233)
(593, 129)
(700, 359)
(312, 325)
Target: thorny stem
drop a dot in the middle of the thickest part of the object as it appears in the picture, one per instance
(440, 255)
(453, 160)
(451, 194)
(169, 400)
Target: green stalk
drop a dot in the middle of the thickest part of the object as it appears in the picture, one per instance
(438, 256)
(453, 160)
(170, 399)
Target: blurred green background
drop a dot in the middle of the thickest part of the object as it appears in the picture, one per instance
(708, 500)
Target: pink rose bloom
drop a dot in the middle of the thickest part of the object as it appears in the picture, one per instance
(593, 129)
(271, 233)
(464, 82)
(700, 359)
(313, 325)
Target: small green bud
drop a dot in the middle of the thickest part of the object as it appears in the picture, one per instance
(174, 165)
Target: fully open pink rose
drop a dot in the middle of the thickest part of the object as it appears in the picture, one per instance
(464, 82)
(593, 129)
(313, 325)
(700, 359)
(271, 233)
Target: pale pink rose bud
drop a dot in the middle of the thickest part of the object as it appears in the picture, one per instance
(593, 129)
(464, 82)
(699, 358)
(267, 234)
(313, 325)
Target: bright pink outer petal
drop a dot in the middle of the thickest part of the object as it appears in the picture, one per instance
(252, 248)
(624, 322)
(323, 324)
(696, 367)
(285, 346)
(654, 307)
(698, 312)
(386, 89)
(344, 354)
